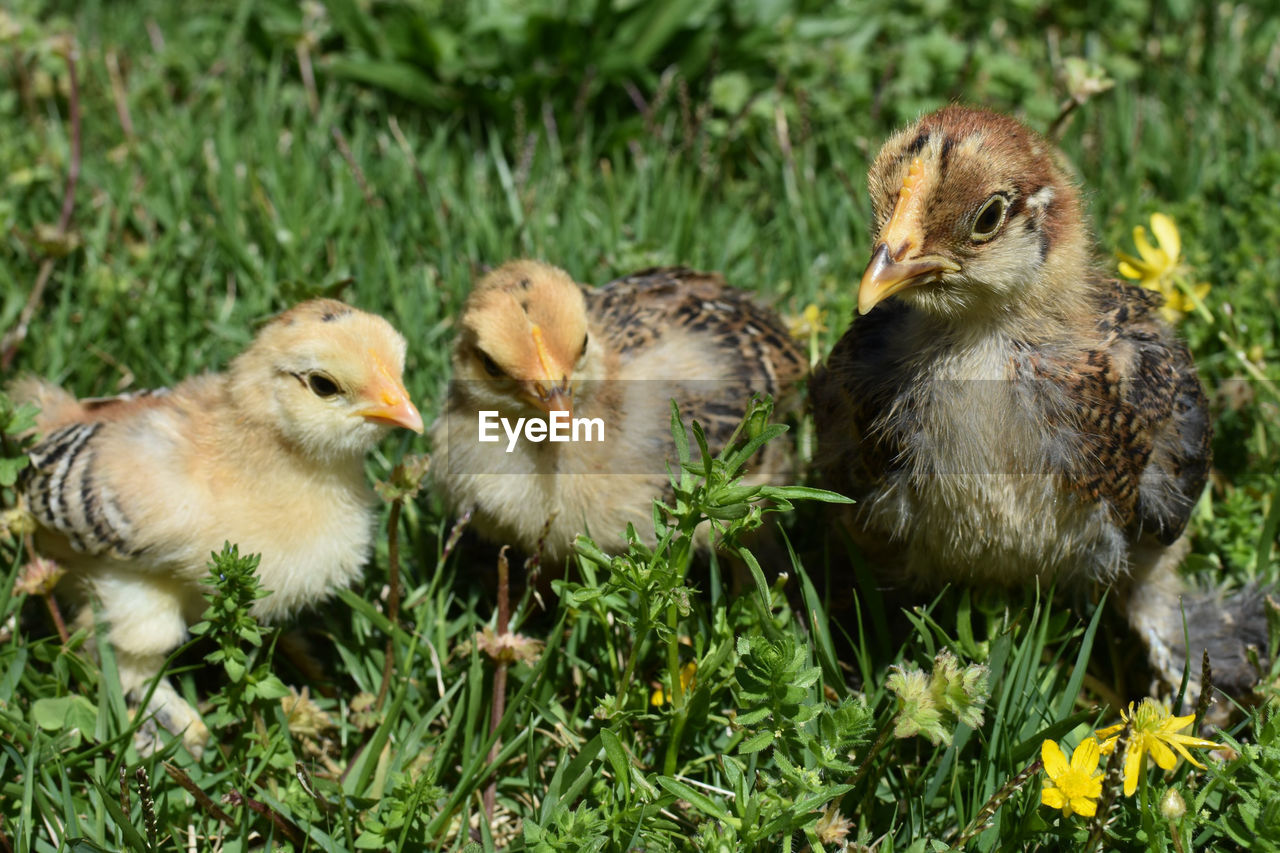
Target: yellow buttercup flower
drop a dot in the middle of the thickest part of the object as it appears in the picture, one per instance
(809, 324)
(1157, 267)
(1154, 730)
(687, 675)
(1074, 788)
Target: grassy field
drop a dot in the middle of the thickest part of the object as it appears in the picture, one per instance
(231, 159)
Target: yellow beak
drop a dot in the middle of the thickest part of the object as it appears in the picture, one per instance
(903, 234)
(884, 276)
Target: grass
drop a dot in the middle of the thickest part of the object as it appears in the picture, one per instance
(216, 186)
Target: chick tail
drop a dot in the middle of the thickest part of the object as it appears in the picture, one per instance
(1179, 622)
(57, 407)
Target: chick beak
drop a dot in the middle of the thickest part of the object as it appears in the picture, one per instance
(389, 401)
(894, 265)
(557, 398)
(392, 407)
(884, 276)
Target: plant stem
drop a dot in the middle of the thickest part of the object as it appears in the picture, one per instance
(56, 615)
(202, 799)
(881, 738)
(499, 679)
(979, 822)
(393, 598)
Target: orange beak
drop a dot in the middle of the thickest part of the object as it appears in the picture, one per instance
(896, 263)
(390, 403)
(394, 409)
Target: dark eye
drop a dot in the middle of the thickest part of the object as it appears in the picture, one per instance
(490, 366)
(321, 385)
(989, 219)
(586, 339)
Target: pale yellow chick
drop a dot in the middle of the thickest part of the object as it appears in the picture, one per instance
(532, 343)
(134, 493)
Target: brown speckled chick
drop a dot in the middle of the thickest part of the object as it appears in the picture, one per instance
(1014, 414)
(532, 342)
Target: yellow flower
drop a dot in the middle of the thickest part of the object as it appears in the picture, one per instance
(687, 672)
(810, 321)
(809, 324)
(1073, 787)
(1157, 267)
(1154, 730)
(1157, 261)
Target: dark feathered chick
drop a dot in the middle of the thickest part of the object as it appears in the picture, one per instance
(532, 342)
(1004, 412)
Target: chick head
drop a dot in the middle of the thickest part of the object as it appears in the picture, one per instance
(328, 377)
(974, 216)
(524, 343)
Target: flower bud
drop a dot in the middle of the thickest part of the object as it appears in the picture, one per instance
(1172, 806)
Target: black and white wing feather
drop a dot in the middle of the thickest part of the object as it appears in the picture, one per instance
(64, 493)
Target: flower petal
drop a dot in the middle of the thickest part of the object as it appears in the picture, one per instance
(1108, 746)
(1190, 740)
(1053, 798)
(1182, 750)
(1084, 807)
(1135, 270)
(1109, 731)
(1167, 236)
(1162, 753)
(1155, 258)
(1133, 756)
(1055, 763)
(1085, 756)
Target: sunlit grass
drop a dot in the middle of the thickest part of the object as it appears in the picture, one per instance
(232, 196)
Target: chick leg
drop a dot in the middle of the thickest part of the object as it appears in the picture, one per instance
(145, 618)
(1228, 627)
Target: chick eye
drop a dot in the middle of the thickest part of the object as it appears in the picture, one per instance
(989, 219)
(321, 385)
(586, 339)
(490, 366)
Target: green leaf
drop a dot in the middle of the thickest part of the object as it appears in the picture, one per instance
(367, 840)
(84, 845)
(618, 760)
(678, 435)
(65, 713)
(805, 493)
(235, 669)
(271, 687)
(750, 718)
(699, 801)
(757, 574)
(756, 742)
(730, 91)
(401, 78)
(10, 469)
